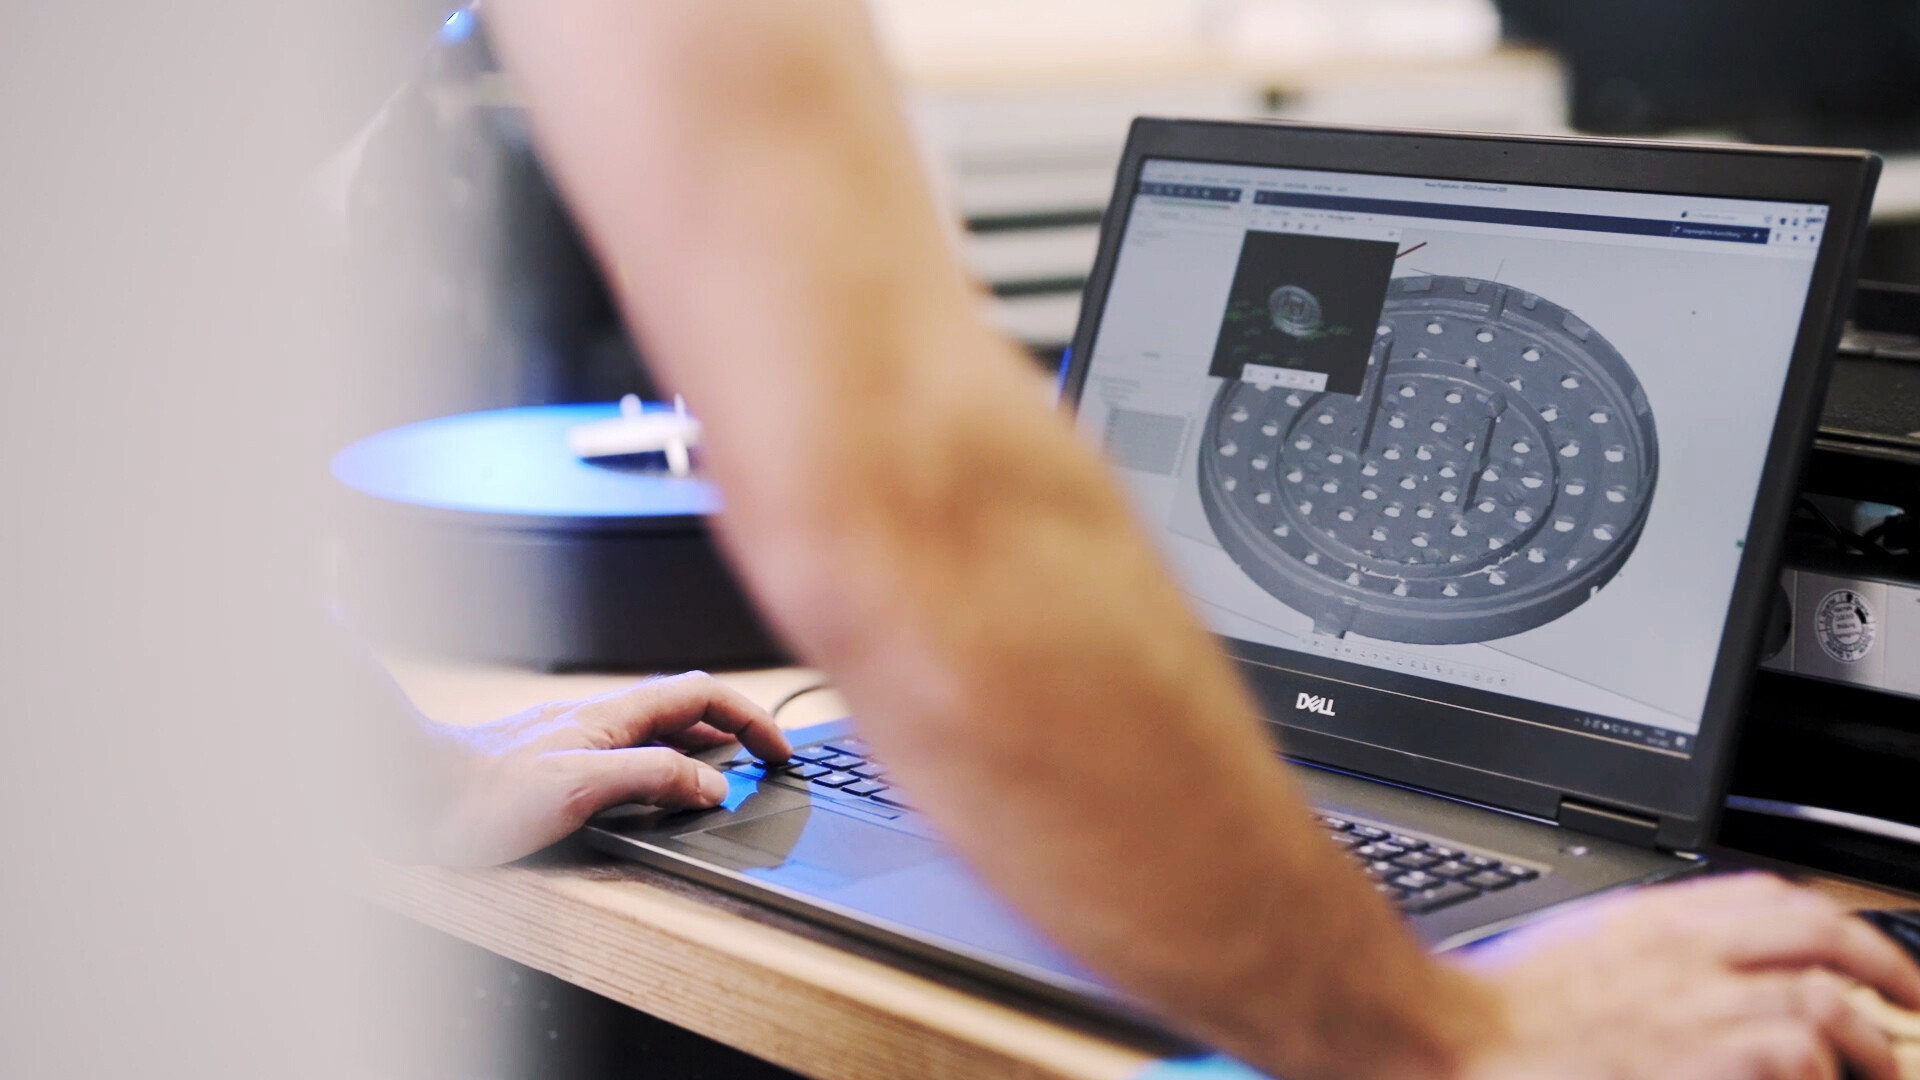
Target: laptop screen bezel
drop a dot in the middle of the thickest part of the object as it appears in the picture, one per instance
(1489, 759)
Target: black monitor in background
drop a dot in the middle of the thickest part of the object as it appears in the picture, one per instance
(1793, 71)
(1802, 72)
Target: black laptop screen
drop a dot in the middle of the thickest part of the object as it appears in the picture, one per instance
(1487, 445)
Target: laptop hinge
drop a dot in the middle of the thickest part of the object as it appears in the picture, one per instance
(1614, 824)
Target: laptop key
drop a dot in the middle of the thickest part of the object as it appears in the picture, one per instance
(1334, 823)
(1416, 860)
(869, 770)
(864, 787)
(1480, 862)
(1452, 869)
(836, 779)
(842, 762)
(1425, 900)
(808, 771)
(1408, 842)
(1345, 840)
(1520, 873)
(1368, 832)
(1382, 871)
(1489, 880)
(1380, 851)
(1416, 880)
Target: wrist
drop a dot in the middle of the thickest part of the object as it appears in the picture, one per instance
(1441, 1027)
(422, 778)
(1468, 1024)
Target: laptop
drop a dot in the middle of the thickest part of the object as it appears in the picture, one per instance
(1476, 451)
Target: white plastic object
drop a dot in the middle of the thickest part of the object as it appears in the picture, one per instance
(637, 431)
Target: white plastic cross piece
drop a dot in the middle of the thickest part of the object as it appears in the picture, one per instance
(637, 431)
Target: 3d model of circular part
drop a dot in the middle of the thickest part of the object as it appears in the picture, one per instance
(1295, 311)
(1494, 473)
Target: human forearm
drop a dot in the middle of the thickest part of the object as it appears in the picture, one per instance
(922, 526)
(1071, 690)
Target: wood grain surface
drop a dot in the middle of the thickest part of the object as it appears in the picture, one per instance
(808, 999)
(781, 994)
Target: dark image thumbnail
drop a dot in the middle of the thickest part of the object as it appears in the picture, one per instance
(1304, 307)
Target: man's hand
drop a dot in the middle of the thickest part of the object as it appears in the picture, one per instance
(1742, 978)
(514, 786)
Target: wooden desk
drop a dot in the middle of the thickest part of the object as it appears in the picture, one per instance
(801, 997)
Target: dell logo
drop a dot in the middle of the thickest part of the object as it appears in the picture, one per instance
(1312, 704)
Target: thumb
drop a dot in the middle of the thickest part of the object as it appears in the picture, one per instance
(655, 775)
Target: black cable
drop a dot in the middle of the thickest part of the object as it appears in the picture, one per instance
(1894, 536)
(1846, 539)
(795, 696)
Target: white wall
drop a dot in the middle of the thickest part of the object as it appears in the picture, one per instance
(941, 36)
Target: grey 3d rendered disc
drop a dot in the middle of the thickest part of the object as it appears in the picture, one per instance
(1295, 311)
(1494, 472)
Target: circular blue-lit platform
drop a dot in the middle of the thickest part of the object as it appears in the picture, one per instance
(483, 536)
(515, 463)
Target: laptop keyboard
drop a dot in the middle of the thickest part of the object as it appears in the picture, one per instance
(842, 765)
(1418, 875)
(1422, 876)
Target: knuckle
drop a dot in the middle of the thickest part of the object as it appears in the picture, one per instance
(593, 736)
(1823, 1001)
(1761, 884)
(669, 775)
(1668, 937)
(580, 800)
(686, 779)
(1829, 930)
(1835, 912)
(1805, 1055)
(1793, 1052)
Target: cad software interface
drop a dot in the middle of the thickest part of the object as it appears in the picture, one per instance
(1493, 437)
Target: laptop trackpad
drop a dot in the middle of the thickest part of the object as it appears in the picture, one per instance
(836, 846)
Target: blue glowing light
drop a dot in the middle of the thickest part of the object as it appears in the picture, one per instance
(513, 462)
(458, 27)
(739, 790)
(1198, 1068)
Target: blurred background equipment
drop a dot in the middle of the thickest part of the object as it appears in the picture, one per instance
(492, 279)
(484, 536)
(1021, 107)
(1778, 71)
(1833, 723)
(473, 529)
(1021, 110)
